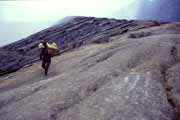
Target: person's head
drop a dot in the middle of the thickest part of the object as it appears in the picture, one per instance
(44, 44)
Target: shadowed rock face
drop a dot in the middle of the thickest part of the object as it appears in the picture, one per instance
(135, 76)
(72, 34)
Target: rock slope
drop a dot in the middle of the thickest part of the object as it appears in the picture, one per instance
(135, 76)
(74, 33)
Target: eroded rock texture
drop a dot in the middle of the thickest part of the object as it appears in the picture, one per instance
(135, 76)
(72, 34)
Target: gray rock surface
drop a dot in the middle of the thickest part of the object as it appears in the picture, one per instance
(135, 76)
(74, 33)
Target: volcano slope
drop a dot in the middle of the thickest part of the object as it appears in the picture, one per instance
(135, 76)
(73, 33)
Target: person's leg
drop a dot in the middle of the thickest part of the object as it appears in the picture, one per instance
(43, 64)
(47, 67)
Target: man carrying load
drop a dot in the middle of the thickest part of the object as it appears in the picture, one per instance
(47, 51)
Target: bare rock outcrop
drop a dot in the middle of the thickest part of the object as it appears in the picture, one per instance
(72, 34)
(127, 78)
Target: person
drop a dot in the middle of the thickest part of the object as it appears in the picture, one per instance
(45, 57)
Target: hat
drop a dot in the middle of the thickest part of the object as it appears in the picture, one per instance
(41, 45)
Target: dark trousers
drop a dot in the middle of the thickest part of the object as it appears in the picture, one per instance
(45, 64)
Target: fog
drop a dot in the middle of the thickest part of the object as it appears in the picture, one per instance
(19, 19)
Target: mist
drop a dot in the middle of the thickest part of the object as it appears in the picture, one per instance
(14, 31)
(19, 19)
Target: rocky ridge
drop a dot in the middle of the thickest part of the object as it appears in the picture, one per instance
(73, 34)
(132, 75)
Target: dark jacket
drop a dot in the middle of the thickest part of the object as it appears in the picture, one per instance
(44, 55)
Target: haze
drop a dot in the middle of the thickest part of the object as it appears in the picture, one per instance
(20, 19)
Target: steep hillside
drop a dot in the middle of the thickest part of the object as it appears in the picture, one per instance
(72, 34)
(134, 76)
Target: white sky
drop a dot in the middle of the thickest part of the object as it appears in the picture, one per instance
(21, 18)
(52, 10)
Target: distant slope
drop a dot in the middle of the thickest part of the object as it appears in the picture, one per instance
(135, 76)
(73, 34)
